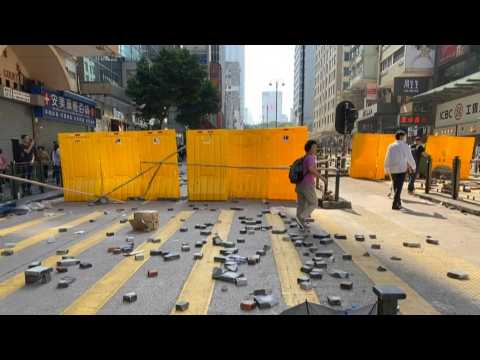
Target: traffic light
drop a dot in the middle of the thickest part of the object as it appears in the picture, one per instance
(345, 116)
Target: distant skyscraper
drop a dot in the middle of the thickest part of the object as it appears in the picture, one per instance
(236, 53)
(268, 106)
(304, 83)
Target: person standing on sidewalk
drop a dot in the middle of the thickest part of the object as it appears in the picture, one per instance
(27, 157)
(307, 200)
(418, 150)
(3, 169)
(398, 161)
(44, 161)
(56, 163)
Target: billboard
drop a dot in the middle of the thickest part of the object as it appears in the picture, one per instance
(461, 111)
(447, 53)
(419, 57)
(409, 86)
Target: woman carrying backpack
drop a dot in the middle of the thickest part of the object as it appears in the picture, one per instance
(307, 200)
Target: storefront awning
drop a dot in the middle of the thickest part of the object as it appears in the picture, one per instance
(454, 90)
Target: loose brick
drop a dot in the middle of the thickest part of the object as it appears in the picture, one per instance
(316, 274)
(302, 279)
(241, 240)
(7, 252)
(326, 241)
(185, 248)
(395, 258)
(346, 285)
(411, 245)
(347, 257)
(241, 281)
(339, 274)
(458, 275)
(62, 230)
(375, 247)
(62, 252)
(307, 285)
(334, 300)
(130, 297)
(359, 238)
(248, 305)
(340, 237)
(198, 256)
(433, 242)
(85, 265)
(139, 257)
(381, 268)
(152, 273)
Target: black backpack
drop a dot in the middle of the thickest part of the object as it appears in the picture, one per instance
(296, 171)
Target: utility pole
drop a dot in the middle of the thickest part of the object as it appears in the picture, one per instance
(276, 100)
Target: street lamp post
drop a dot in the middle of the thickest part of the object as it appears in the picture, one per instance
(276, 101)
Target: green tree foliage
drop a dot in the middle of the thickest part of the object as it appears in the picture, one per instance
(174, 78)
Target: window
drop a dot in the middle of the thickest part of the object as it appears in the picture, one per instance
(7, 83)
(399, 54)
(15, 86)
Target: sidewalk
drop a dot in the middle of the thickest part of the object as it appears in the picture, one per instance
(438, 198)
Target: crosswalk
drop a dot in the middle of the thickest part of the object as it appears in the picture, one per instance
(196, 285)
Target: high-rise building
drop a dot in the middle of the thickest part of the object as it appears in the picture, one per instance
(271, 105)
(329, 69)
(232, 111)
(304, 79)
(236, 53)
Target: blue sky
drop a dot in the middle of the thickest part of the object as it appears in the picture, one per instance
(264, 63)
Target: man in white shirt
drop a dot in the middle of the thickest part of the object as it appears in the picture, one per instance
(398, 161)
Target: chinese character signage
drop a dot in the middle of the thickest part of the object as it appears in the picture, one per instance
(66, 106)
(410, 86)
(461, 111)
(447, 53)
(16, 95)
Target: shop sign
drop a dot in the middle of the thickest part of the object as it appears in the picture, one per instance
(63, 106)
(447, 53)
(16, 95)
(465, 110)
(413, 120)
(367, 112)
(410, 86)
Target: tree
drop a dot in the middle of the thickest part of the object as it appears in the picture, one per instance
(174, 78)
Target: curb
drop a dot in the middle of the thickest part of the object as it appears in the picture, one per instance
(452, 205)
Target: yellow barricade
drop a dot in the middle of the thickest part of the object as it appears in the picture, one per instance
(98, 162)
(258, 151)
(443, 149)
(368, 155)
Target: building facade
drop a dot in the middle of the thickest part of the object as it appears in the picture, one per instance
(304, 83)
(236, 53)
(271, 106)
(232, 111)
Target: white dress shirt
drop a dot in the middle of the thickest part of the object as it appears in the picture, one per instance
(398, 158)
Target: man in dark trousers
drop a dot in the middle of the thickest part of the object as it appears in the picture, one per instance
(27, 158)
(418, 150)
(398, 161)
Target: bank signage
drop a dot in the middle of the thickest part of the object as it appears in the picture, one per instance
(410, 86)
(67, 107)
(461, 111)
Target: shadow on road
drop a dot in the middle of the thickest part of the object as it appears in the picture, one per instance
(416, 213)
(351, 211)
(417, 202)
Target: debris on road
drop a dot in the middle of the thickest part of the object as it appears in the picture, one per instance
(411, 245)
(376, 247)
(359, 238)
(248, 305)
(85, 265)
(130, 297)
(152, 273)
(38, 274)
(334, 300)
(458, 275)
(65, 282)
(433, 242)
(346, 285)
(146, 220)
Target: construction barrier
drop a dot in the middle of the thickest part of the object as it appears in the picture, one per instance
(249, 164)
(443, 149)
(98, 162)
(368, 155)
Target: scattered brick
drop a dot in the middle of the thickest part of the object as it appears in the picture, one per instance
(279, 231)
(302, 279)
(359, 238)
(152, 273)
(375, 246)
(395, 258)
(381, 268)
(241, 281)
(339, 274)
(316, 274)
(130, 297)
(307, 285)
(185, 248)
(248, 305)
(8, 252)
(85, 265)
(62, 230)
(347, 257)
(340, 237)
(171, 256)
(198, 256)
(458, 275)
(411, 244)
(433, 242)
(346, 285)
(334, 300)
(65, 282)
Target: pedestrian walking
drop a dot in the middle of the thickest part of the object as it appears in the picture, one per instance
(3, 169)
(27, 157)
(418, 150)
(307, 200)
(44, 159)
(56, 163)
(398, 161)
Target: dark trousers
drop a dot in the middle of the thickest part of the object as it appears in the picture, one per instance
(398, 180)
(411, 180)
(26, 171)
(57, 174)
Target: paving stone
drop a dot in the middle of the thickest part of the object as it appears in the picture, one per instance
(366, 254)
(65, 282)
(205, 233)
(7, 252)
(185, 248)
(155, 240)
(61, 269)
(316, 274)
(302, 279)
(266, 301)
(85, 265)
(321, 236)
(279, 231)
(375, 246)
(200, 227)
(313, 249)
(241, 240)
(130, 297)
(139, 257)
(334, 300)
(321, 264)
(68, 262)
(248, 305)
(171, 256)
(411, 244)
(34, 264)
(243, 232)
(252, 260)
(359, 238)
(307, 285)
(346, 285)
(324, 254)
(62, 252)
(340, 237)
(433, 242)
(326, 241)
(307, 244)
(458, 275)
(198, 256)
(347, 257)
(220, 259)
(156, 252)
(62, 230)
(339, 274)
(381, 268)
(395, 258)
(298, 243)
(241, 281)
